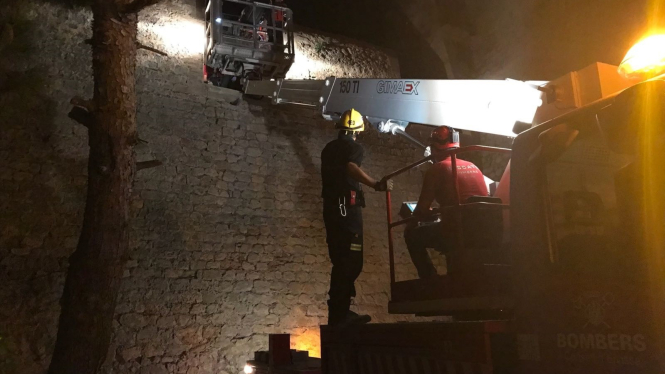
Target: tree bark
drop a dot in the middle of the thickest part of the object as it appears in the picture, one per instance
(96, 267)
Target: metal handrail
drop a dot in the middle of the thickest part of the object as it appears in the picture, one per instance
(412, 219)
(256, 43)
(437, 214)
(259, 5)
(408, 167)
(248, 26)
(450, 152)
(453, 154)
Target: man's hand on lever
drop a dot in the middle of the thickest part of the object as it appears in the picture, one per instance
(384, 185)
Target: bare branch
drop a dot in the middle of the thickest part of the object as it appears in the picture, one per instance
(81, 116)
(82, 110)
(151, 49)
(137, 5)
(147, 164)
(82, 103)
(135, 140)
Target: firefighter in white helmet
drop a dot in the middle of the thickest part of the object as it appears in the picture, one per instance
(343, 201)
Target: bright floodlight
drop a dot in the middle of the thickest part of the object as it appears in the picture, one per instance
(176, 36)
(218, 20)
(248, 369)
(647, 57)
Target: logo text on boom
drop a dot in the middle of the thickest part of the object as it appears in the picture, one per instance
(398, 87)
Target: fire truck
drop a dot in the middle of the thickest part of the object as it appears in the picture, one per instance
(565, 270)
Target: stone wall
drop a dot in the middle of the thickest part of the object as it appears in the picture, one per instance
(321, 55)
(445, 26)
(227, 243)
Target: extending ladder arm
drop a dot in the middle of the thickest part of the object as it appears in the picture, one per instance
(487, 106)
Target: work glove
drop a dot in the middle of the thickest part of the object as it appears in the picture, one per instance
(384, 185)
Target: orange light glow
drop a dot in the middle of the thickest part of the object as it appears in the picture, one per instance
(307, 340)
(646, 58)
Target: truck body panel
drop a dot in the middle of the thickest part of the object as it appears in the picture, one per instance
(418, 348)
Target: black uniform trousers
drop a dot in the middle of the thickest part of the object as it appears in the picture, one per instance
(344, 235)
(419, 238)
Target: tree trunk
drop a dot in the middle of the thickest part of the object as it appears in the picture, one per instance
(96, 267)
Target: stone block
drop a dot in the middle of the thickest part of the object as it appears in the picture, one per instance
(133, 320)
(261, 286)
(128, 354)
(154, 369)
(147, 334)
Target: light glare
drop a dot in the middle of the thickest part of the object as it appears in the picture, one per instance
(645, 57)
(180, 36)
(248, 369)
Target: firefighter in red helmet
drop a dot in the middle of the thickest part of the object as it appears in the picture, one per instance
(438, 186)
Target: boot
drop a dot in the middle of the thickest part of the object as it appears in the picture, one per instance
(340, 315)
(336, 313)
(353, 318)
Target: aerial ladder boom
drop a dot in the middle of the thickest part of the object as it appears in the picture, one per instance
(487, 106)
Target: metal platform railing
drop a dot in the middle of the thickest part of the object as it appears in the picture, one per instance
(262, 38)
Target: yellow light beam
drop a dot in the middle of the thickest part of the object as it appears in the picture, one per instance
(645, 59)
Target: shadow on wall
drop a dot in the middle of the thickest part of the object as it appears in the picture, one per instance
(297, 135)
(41, 188)
(302, 139)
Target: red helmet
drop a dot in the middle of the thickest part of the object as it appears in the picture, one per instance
(444, 137)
